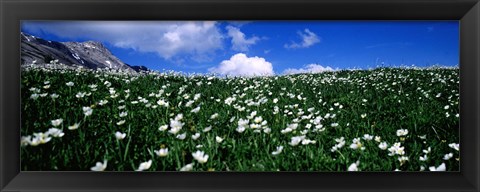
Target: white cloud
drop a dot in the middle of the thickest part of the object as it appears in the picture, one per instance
(241, 65)
(168, 39)
(239, 42)
(308, 39)
(310, 68)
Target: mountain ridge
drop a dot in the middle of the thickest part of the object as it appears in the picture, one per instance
(89, 54)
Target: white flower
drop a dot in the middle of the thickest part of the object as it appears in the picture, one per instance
(120, 135)
(304, 132)
(353, 166)
(25, 140)
(363, 115)
(258, 119)
(196, 96)
(293, 126)
(275, 100)
(454, 146)
(162, 152)
(340, 140)
(54, 95)
(240, 129)
(383, 145)
(402, 132)
(308, 126)
(446, 107)
(196, 110)
(243, 122)
(69, 84)
(55, 132)
(99, 166)
(340, 143)
(74, 126)
(179, 117)
(57, 122)
(214, 116)
(187, 167)
(278, 151)
(80, 94)
(163, 128)
(402, 159)
(308, 141)
(123, 114)
(174, 130)
(121, 122)
(334, 124)
(296, 140)
(176, 126)
(87, 111)
(40, 138)
(441, 167)
(356, 144)
(162, 102)
(448, 156)
(229, 100)
(252, 115)
(424, 158)
(422, 168)
(34, 96)
(103, 102)
(35, 90)
(427, 151)
(207, 129)
(218, 139)
(367, 137)
(396, 149)
(195, 136)
(189, 103)
(200, 156)
(255, 126)
(144, 166)
(181, 136)
(93, 86)
(378, 139)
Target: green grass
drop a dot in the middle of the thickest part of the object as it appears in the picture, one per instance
(391, 99)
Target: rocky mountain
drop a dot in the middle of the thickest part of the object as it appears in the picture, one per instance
(139, 68)
(89, 54)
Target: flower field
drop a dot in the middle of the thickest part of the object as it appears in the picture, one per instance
(384, 119)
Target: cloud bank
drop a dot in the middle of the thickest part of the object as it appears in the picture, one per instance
(308, 39)
(310, 68)
(241, 65)
(168, 39)
(239, 42)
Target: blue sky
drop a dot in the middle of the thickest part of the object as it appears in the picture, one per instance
(264, 47)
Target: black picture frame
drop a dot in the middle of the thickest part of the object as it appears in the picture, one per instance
(13, 11)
